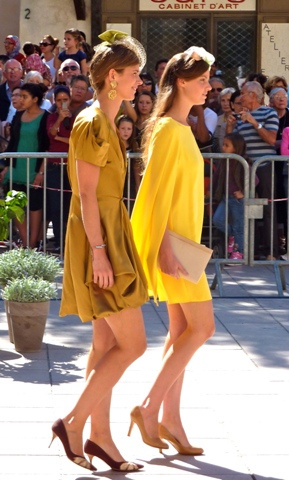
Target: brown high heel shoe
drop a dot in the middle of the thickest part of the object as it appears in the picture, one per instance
(58, 430)
(93, 450)
(136, 418)
(164, 433)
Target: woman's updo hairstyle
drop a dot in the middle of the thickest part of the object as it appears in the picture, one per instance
(52, 40)
(118, 51)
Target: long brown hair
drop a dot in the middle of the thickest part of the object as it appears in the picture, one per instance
(182, 66)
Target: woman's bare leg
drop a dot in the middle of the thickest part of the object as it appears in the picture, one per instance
(130, 342)
(102, 341)
(35, 218)
(171, 417)
(200, 326)
(22, 229)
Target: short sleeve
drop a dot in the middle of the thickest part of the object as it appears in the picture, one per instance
(81, 55)
(87, 142)
(61, 56)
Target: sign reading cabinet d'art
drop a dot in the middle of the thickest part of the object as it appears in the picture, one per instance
(275, 54)
(197, 5)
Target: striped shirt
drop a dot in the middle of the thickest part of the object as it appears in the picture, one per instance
(256, 147)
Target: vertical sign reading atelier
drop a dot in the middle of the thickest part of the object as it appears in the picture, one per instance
(275, 53)
(197, 5)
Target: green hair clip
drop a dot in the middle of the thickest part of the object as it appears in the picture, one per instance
(110, 36)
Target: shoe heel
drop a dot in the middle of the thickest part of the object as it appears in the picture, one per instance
(90, 457)
(53, 437)
(130, 428)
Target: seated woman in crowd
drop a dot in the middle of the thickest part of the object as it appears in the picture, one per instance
(28, 134)
(148, 83)
(48, 46)
(36, 78)
(275, 81)
(16, 106)
(12, 47)
(33, 62)
(224, 101)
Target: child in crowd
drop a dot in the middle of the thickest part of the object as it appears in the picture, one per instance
(72, 40)
(127, 133)
(144, 105)
(233, 143)
(33, 62)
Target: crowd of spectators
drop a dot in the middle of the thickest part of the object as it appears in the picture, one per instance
(258, 112)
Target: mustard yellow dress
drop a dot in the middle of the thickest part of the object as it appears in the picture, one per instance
(93, 140)
(171, 194)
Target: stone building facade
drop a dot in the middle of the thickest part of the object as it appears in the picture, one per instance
(244, 35)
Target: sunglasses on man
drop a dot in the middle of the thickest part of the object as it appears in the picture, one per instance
(69, 67)
(219, 89)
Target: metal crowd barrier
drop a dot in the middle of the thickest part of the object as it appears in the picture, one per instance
(253, 210)
(45, 156)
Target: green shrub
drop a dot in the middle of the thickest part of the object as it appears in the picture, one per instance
(24, 263)
(29, 290)
(12, 206)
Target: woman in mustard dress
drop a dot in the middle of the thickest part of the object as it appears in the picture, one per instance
(103, 277)
(171, 197)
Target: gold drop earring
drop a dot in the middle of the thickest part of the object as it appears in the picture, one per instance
(112, 93)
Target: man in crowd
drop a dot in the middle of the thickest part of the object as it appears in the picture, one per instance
(78, 90)
(259, 125)
(217, 85)
(13, 74)
(159, 68)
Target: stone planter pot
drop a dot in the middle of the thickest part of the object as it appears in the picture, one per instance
(10, 329)
(28, 322)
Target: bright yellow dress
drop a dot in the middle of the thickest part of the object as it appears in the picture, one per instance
(93, 140)
(171, 194)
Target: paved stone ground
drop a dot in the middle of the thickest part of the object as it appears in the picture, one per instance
(234, 405)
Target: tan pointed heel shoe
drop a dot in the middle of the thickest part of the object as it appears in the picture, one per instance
(164, 433)
(136, 418)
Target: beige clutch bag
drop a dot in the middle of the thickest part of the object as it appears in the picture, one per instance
(193, 256)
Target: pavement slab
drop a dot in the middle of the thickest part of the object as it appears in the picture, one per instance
(234, 403)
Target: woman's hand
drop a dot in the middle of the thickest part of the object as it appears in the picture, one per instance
(102, 270)
(3, 173)
(169, 264)
(38, 180)
(63, 113)
(238, 194)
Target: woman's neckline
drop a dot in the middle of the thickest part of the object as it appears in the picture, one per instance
(32, 120)
(176, 121)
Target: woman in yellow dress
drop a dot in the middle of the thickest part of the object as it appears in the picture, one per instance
(103, 277)
(171, 197)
